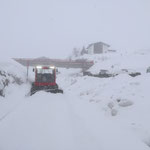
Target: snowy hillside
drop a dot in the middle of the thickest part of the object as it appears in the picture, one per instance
(136, 60)
(92, 114)
(10, 73)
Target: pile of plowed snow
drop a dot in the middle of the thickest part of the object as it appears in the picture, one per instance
(10, 73)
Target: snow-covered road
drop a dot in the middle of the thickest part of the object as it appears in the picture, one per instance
(62, 122)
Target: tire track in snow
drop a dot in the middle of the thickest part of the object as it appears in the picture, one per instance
(83, 136)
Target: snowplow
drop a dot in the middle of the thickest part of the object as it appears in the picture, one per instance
(45, 80)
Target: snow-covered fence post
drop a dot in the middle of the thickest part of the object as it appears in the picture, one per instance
(27, 70)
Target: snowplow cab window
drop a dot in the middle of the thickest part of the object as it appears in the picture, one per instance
(44, 71)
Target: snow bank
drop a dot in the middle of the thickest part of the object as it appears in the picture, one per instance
(137, 60)
(10, 73)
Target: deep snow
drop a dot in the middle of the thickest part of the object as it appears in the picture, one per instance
(92, 114)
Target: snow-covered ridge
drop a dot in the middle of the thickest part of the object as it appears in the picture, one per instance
(10, 73)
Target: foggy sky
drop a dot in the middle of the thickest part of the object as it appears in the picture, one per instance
(52, 28)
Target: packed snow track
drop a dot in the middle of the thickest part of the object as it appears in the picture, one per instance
(49, 121)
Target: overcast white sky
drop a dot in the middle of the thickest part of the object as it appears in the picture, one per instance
(33, 28)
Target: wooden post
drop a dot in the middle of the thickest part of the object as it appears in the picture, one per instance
(27, 70)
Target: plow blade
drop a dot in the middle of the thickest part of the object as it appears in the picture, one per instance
(52, 89)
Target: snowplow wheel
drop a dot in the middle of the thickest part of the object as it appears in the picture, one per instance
(33, 89)
(57, 89)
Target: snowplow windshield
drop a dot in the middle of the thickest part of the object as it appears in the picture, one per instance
(45, 75)
(44, 71)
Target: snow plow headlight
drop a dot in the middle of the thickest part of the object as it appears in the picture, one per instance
(39, 67)
(52, 67)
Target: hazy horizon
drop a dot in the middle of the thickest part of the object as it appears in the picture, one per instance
(52, 28)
